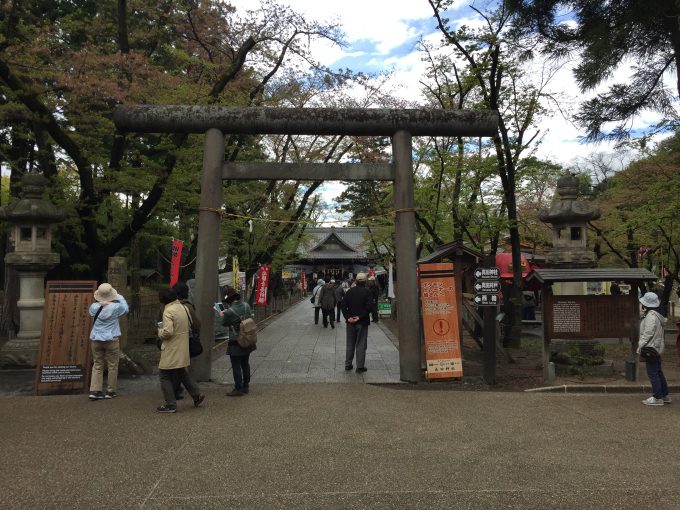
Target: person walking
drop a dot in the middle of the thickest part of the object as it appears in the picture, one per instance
(356, 308)
(652, 335)
(375, 294)
(315, 299)
(239, 356)
(174, 334)
(182, 291)
(327, 301)
(107, 309)
(339, 296)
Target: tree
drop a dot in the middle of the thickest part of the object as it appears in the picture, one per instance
(496, 66)
(64, 65)
(640, 209)
(606, 36)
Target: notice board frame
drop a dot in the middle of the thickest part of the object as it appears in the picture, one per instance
(439, 315)
(64, 359)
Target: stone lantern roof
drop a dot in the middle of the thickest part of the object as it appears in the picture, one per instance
(568, 209)
(31, 208)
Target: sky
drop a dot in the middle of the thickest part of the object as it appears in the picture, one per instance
(382, 36)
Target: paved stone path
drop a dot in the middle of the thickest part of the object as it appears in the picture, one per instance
(292, 349)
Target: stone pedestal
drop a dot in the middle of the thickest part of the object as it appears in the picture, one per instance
(22, 351)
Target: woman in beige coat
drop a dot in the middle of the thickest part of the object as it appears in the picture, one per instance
(174, 334)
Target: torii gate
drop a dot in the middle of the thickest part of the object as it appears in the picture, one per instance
(401, 125)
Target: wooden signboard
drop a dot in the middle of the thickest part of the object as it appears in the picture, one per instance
(440, 321)
(585, 317)
(64, 363)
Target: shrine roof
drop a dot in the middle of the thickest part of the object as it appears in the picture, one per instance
(591, 275)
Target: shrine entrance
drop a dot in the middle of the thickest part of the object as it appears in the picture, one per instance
(401, 125)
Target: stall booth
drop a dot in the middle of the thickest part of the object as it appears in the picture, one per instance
(593, 317)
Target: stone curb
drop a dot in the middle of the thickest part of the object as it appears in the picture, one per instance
(598, 388)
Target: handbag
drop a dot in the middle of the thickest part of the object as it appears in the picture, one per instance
(195, 346)
(648, 352)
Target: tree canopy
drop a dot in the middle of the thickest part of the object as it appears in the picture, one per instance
(605, 37)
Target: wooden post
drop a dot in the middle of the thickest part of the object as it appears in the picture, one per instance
(208, 248)
(547, 314)
(489, 333)
(407, 318)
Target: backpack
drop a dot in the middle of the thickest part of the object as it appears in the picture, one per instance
(247, 333)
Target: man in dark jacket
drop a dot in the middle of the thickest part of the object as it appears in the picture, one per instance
(356, 308)
(372, 286)
(327, 302)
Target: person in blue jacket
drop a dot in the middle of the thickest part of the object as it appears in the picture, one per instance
(105, 338)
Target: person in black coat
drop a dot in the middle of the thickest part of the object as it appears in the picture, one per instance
(356, 308)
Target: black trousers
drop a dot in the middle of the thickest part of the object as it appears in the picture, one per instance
(240, 368)
(328, 315)
(339, 307)
(316, 314)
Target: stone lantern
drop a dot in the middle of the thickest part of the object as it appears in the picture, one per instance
(29, 219)
(569, 218)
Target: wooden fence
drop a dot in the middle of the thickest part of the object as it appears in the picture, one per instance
(142, 323)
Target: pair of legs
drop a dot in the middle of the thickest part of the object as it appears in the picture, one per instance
(339, 307)
(316, 314)
(167, 376)
(374, 312)
(177, 386)
(357, 341)
(656, 378)
(328, 315)
(105, 355)
(240, 369)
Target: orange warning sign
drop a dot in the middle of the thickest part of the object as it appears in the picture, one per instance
(440, 321)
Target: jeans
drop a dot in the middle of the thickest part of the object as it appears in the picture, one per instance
(240, 368)
(328, 315)
(167, 375)
(357, 341)
(105, 354)
(656, 378)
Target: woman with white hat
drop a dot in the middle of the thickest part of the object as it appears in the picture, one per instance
(105, 336)
(652, 335)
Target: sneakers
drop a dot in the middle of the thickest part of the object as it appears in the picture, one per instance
(246, 390)
(235, 393)
(198, 400)
(166, 409)
(667, 400)
(96, 395)
(110, 394)
(651, 401)
(362, 370)
(348, 367)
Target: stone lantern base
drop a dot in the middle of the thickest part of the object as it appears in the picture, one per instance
(22, 351)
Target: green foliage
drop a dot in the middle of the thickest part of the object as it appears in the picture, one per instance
(607, 35)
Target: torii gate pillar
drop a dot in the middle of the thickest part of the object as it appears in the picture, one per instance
(405, 247)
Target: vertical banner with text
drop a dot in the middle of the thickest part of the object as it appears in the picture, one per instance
(303, 282)
(234, 270)
(262, 285)
(440, 321)
(175, 261)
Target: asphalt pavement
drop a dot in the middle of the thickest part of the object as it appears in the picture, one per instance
(336, 444)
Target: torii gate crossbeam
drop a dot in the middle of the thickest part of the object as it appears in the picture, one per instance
(400, 124)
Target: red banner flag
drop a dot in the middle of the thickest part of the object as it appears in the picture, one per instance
(175, 260)
(303, 283)
(262, 285)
